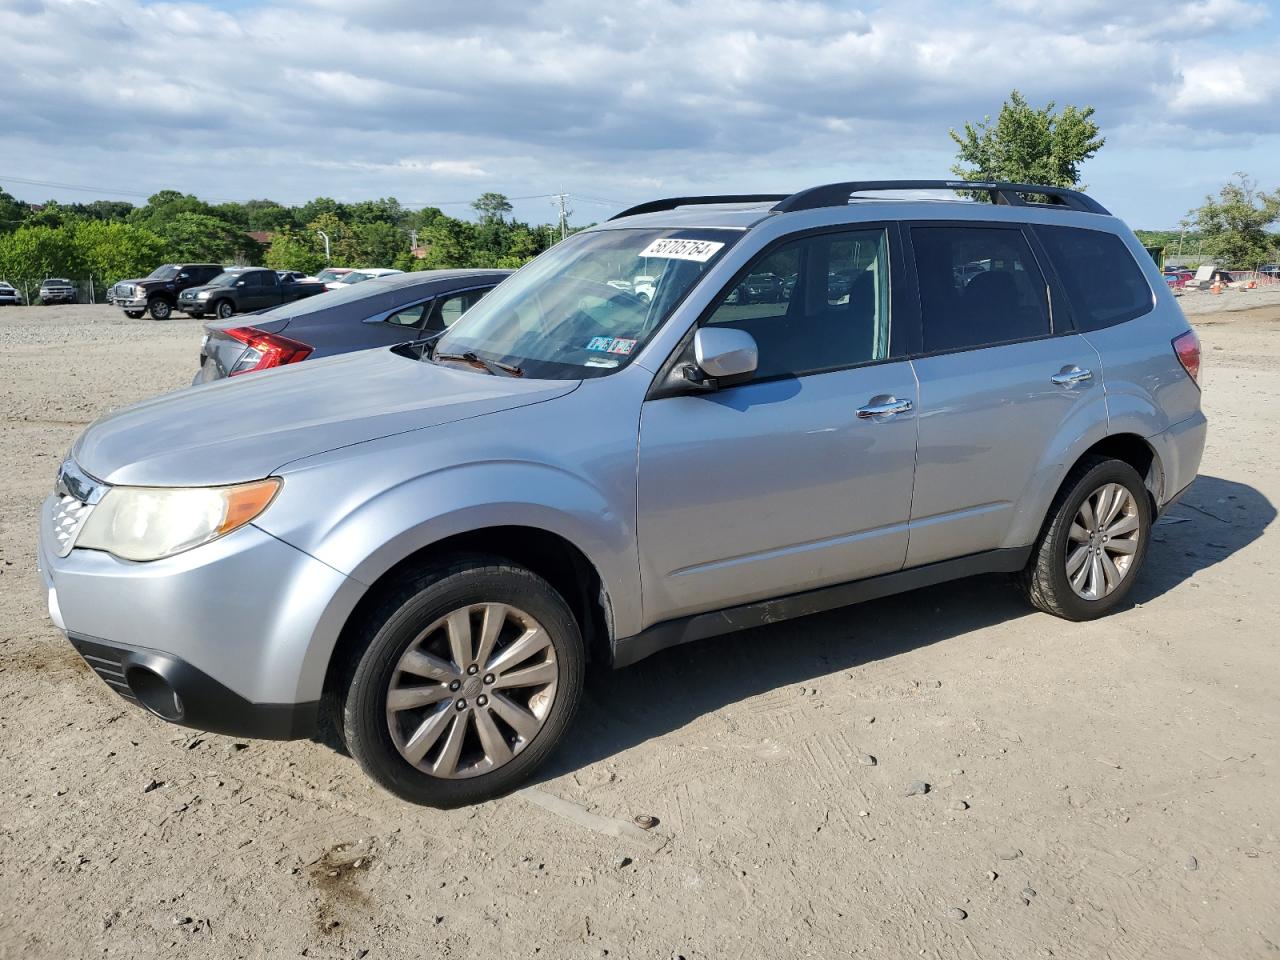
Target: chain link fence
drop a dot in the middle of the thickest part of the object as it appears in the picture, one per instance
(87, 288)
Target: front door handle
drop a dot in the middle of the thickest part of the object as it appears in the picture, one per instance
(883, 407)
(1072, 375)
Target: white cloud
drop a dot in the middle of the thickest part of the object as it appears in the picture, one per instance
(302, 97)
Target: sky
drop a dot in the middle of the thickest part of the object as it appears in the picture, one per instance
(436, 102)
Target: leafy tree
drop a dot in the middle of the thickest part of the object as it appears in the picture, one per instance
(51, 214)
(377, 244)
(234, 214)
(492, 207)
(30, 254)
(342, 247)
(448, 243)
(291, 250)
(200, 238)
(1026, 145)
(1234, 224)
(320, 206)
(106, 210)
(386, 210)
(267, 215)
(116, 251)
(161, 209)
(12, 212)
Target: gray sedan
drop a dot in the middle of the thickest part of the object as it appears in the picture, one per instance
(382, 311)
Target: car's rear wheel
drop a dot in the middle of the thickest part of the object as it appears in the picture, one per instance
(468, 677)
(160, 309)
(1093, 543)
(225, 310)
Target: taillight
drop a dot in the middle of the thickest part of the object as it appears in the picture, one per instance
(1187, 347)
(265, 350)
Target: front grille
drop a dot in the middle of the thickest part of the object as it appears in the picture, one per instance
(69, 515)
(107, 662)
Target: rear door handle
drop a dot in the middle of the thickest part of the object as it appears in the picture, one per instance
(1071, 376)
(883, 407)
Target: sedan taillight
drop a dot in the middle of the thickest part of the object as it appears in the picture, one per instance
(1187, 347)
(265, 350)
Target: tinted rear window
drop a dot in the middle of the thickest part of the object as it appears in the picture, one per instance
(979, 286)
(1103, 283)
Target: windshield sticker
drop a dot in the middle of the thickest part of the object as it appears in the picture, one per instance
(699, 251)
(611, 345)
(601, 362)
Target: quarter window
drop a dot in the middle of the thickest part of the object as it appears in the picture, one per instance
(813, 304)
(1103, 284)
(978, 286)
(409, 316)
(449, 309)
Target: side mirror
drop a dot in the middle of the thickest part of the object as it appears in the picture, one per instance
(239, 283)
(723, 353)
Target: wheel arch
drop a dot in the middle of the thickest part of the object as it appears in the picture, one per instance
(550, 555)
(164, 295)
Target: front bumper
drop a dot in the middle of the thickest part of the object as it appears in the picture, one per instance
(194, 308)
(134, 303)
(234, 636)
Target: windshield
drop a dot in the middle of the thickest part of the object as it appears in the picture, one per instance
(353, 277)
(562, 316)
(226, 279)
(167, 272)
(328, 276)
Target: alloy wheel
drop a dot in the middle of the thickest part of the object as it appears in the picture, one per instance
(1102, 541)
(472, 691)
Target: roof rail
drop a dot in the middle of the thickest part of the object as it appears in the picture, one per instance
(839, 194)
(656, 206)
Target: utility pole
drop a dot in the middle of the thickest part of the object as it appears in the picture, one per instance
(562, 199)
(325, 237)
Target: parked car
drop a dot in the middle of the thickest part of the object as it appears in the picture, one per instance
(158, 292)
(644, 286)
(427, 542)
(291, 275)
(1270, 270)
(330, 274)
(9, 295)
(381, 312)
(1177, 279)
(244, 290)
(57, 290)
(359, 276)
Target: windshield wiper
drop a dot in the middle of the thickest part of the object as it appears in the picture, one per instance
(475, 361)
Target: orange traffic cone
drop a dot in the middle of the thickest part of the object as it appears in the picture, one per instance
(1216, 287)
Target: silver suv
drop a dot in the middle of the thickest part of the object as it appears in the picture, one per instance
(428, 542)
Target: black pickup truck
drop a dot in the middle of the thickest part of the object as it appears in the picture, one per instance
(244, 290)
(158, 292)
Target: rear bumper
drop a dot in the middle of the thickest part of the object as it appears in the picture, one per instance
(176, 691)
(1180, 449)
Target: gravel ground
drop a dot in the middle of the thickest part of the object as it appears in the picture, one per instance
(1092, 790)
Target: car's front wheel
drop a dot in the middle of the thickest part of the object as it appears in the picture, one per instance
(160, 309)
(1093, 542)
(469, 675)
(225, 310)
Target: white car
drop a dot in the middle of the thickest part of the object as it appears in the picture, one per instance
(355, 276)
(9, 296)
(643, 287)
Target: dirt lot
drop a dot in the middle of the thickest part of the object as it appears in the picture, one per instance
(1096, 790)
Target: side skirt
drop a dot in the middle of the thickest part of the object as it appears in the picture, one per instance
(670, 633)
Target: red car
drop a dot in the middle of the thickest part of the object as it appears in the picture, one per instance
(1177, 279)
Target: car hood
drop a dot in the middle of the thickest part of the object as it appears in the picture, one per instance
(192, 291)
(242, 429)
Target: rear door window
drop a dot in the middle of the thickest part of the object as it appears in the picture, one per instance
(1102, 282)
(979, 286)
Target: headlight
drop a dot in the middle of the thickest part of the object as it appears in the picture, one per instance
(203, 294)
(148, 523)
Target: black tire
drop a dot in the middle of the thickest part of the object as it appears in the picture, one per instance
(1044, 581)
(159, 308)
(224, 309)
(389, 629)
(134, 314)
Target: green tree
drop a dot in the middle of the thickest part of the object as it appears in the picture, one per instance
(377, 244)
(200, 238)
(448, 243)
(385, 210)
(492, 207)
(1234, 224)
(116, 251)
(30, 254)
(12, 212)
(51, 214)
(161, 209)
(320, 206)
(1026, 145)
(268, 215)
(291, 250)
(108, 210)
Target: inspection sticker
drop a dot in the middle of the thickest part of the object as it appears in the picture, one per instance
(699, 251)
(600, 344)
(621, 345)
